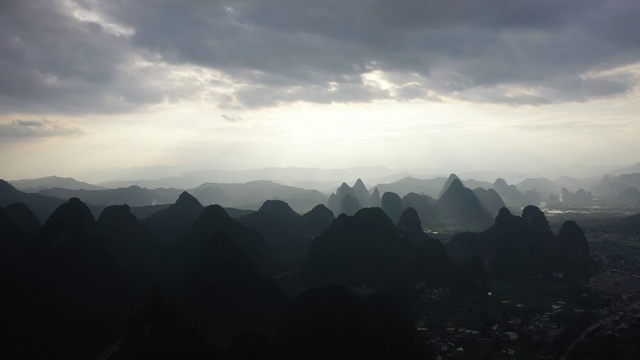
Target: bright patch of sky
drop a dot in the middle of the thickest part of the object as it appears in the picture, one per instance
(236, 85)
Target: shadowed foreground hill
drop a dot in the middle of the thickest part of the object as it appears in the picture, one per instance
(42, 206)
(68, 298)
(317, 220)
(160, 330)
(366, 248)
(214, 219)
(74, 286)
(524, 246)
(332, 323)
(23, 217)
(226, 291)
(276, 222)
(284, 230)
(430, 260)
(138, 250)
(218, 274)
(177, 219)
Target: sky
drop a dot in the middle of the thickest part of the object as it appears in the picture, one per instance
(464, 85)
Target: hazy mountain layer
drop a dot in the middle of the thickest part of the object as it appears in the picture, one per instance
(51, 182)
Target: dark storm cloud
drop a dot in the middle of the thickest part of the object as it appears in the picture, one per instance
(53, 61)
(26, 129)
(283, 51)
(456, 46)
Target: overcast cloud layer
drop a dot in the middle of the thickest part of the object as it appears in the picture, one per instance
(113, 56)
(460, 84)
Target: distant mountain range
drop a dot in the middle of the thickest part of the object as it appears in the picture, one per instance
(621, 186)
(50, 182)
(132, 196)
(248, 196)
(253, 194)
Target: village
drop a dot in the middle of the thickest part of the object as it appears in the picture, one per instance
(549, 322)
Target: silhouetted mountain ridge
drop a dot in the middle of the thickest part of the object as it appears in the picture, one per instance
(51, 182)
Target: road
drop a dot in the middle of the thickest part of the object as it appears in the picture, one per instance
(606, 320)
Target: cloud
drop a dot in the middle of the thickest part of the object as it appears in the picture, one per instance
(231, 118)
(27, 129)
(117, 56)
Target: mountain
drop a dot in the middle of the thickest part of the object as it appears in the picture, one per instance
(348, 200)
(277, 223)
(330, 320)
(474, 184)
(142, 212)
(214, 219)
(510, 193)
(574, 183)
(609, 187)
(367, 248)
(350, 205)
(631, 180)
(534, 197)
(630, 196)
(392, 205)
(132, 196)
(184, 178)
(628, 224)
(362, 193)
(525, 247)
(280, 209)
(579, 197)
(135, 248)
(575, 256)
(490, 200)
(375, 200)
(334, 204)
(460, 204)
(423, 205)
(253, 194)
(430, 258)
(50, 182)
(228, 289)
(345, 189)
(177, 219)
(72, 222)
(317, 220)
(161, 330)
(407, 185)
(23, 217)
(447, 184)
(635, 168)
(470, 277)
(410, 224)
(287, 234)
(42, 206)
(543, 186)
(68, 292)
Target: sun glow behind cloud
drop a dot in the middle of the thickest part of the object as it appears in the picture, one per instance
(237, 86)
